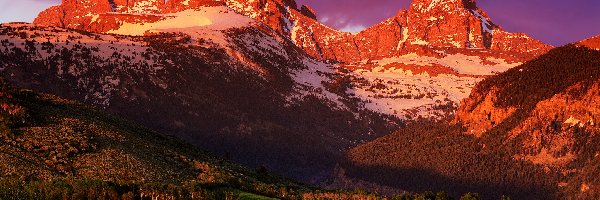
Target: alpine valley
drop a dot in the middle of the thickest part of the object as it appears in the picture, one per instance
(435, 98)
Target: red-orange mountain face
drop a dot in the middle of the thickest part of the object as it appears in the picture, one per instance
(593, 43)
(105, 15)
(451, 24)
(548, 109)
(427, 23)
(532, 132)
(438, 48)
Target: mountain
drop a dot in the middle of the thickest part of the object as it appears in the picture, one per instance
(422, 45)
(50, 144)
(238, 89)
(448, 24)
(262, 82)
(530, 132)
(438, 49)
(554, 126)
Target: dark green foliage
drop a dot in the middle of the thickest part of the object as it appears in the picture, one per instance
(97, 189)
(557, 70)
(432, 156)
(470, 196)
(422, 196)
(442, 196)
(61, 150)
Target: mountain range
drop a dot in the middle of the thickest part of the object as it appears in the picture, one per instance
(264, 83)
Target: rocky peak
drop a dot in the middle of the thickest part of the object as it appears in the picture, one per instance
(455, 24)
(438, 22)
(428, 23)
(425, 6)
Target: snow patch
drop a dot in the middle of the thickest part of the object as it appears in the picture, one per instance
(485, 24)
(419, 41)
(217, 18)
(403, 94)
(309, 81)
(572, 121)
(463, 64)
(404, 32)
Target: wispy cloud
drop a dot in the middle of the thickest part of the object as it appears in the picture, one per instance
(353, 28)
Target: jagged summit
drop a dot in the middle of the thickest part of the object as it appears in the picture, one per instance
(447, 5)
(436, 23)
(439, 22)
(425, 25)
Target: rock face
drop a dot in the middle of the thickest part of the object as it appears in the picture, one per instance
(105, 15)
(555, 126)
(569, 74)
(427, 23)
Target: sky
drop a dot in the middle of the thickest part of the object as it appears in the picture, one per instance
(556, 22)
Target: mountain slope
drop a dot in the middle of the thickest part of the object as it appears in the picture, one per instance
(430, 45)
(421, 62)
(554, 126)
(47, 138)
(530, 132)
(238, 89)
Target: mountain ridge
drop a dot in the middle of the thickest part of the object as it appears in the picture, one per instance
(424, 41)
(542, 139)
(420, 25)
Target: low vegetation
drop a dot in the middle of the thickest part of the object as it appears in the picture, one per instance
(54, 148)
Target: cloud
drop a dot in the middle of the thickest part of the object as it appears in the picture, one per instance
(353, 28)
(353, 14)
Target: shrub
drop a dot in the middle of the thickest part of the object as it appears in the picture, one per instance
(470, 196)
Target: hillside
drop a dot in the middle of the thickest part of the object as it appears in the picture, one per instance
(236, 91)
(55, 148)
(530, 133)
(48, 141)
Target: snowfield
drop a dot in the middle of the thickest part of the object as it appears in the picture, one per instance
(463, 64)
(215, 18)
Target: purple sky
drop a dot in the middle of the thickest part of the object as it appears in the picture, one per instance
(556, 22)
